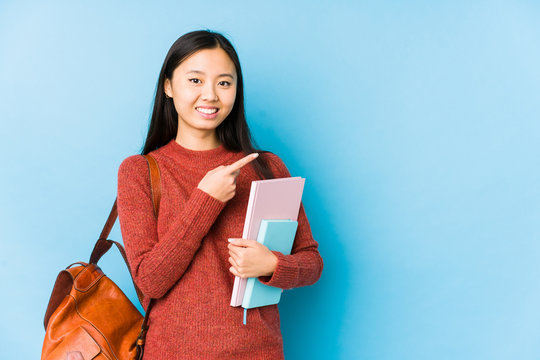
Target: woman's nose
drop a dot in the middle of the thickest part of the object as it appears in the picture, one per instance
(209, 93)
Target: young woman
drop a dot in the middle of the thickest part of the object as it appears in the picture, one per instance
(200, 139)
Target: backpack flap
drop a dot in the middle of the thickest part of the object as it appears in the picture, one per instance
(62, 288)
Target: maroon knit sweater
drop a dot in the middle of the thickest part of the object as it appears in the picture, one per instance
(182, 259)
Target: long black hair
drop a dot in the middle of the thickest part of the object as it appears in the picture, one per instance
(233, 132)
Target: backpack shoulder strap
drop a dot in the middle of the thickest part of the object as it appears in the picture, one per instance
(103, 244)
(155, 185)
(155, 182)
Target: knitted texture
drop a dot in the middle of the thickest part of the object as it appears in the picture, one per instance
(181, 260)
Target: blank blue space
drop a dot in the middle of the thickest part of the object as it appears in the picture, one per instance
(414, 123)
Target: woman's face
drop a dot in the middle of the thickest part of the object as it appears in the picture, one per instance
(203, 88)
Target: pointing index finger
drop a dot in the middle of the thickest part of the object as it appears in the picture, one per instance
(243, 161)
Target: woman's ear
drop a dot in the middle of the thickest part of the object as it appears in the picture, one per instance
(167, 88)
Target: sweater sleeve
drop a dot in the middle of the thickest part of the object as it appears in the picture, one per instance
(158, 262)
(304, 265)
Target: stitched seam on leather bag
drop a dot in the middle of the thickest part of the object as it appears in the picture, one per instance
(91, 324)
(90, 285)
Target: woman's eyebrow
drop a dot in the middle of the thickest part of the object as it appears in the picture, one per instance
(200, 72)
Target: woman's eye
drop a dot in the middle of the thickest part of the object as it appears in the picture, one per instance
(196, 81)
(226, 83)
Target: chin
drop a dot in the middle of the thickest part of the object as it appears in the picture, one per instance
(212, 126)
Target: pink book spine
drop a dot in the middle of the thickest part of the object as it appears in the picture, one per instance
(239, 283)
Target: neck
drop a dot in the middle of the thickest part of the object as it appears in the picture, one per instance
(198, 142)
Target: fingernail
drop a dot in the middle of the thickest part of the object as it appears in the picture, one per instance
(255, 155)
(231, 240)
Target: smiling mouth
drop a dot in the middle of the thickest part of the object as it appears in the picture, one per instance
(207, 111)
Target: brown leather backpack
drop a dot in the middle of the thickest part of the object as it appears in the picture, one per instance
(87, 311)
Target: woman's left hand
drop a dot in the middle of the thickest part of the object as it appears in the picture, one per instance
(250, 258)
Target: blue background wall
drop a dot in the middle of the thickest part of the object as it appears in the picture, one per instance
(415, 124)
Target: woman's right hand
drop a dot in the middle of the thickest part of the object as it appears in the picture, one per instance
(220, 182)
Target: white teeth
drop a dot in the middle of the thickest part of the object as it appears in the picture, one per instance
(207, 111)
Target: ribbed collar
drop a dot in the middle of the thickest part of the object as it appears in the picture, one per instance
(197, 158)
